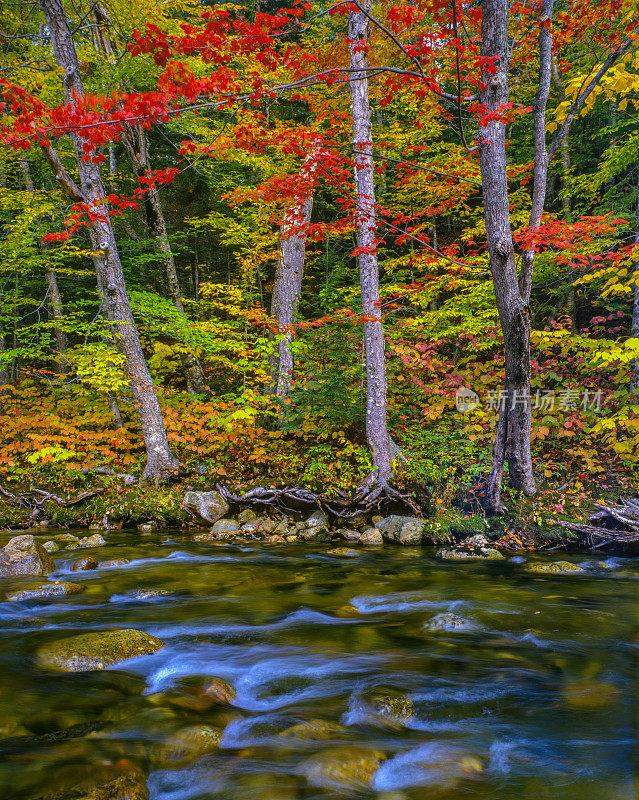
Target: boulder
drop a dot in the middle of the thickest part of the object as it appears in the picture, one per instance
(246, 515)
(317, 520)
(206, 507)
(97, 540)
(226, 528)
(83, 563)
(188, 744)
(343, 768)
(147, 594)
(314, 535)
(556, 567)
(371, 537)
(95, 650)
(65, 538)
(48, 591)
(51, 547)
(446, 621)
(402, 530)
(24, 555)
(349, 534)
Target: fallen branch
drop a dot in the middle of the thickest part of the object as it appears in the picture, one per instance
(36, 498)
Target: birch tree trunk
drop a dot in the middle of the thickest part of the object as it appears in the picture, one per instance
(376, 424)
(53, 291)
(288, 279)
(512, 439)
(137, 147)
(160, 462)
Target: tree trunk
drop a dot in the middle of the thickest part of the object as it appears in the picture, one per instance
(376, 425)
(288, 280)
(5, 374)
(136, 145)
(512, 440)
(53, 291)
(160, 462)
(634, 329)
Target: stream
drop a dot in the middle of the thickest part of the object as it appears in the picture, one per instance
(535, 697)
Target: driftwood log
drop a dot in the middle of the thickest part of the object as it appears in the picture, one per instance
(610, 525)
(340, 506)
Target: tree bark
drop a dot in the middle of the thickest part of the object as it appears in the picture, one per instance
(288, 279)
(512, 440)
(376, 424)
(634, 329)
(137, 147)
(53, 291)
(160, 462)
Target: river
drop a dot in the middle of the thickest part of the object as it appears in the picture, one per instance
(534, 698)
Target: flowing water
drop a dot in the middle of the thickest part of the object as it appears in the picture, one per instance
(534, 698)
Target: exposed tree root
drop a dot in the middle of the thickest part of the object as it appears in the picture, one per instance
(340, 506)
(610, 525)
(36, 498)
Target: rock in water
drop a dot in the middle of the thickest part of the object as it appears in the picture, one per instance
(371, 537)
(340, 768)
(388, 705)
(554, 567)
(24, 555)
(187, 744)
(83, 564)
(97, 540)
(455, 554)
(206, 506)
(344, 552)
(448, 622)
(96, 650)
(314, 730)
(401, 530)
(46, 591)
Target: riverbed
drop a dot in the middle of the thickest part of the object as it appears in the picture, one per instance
(342, 686)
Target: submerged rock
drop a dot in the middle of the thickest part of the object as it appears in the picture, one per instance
(446, 621)
(459, 554)
(590, 694)
(147, 594)
(85, 787)
(97, 540)
(83, 564)
(188, 744)
(207, 507)
(46, 591)
(196, 694)
(96, 650)
(24, 555)
(314, 730)
(554, 567)
(113, 562)
(439, 766)
(343, 768)
(344, 552)
(401, 530)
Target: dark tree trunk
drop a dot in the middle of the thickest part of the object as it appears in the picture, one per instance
(512, 440)
(288, 280)
(160, 462)
(376, 424)
(53, 291)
